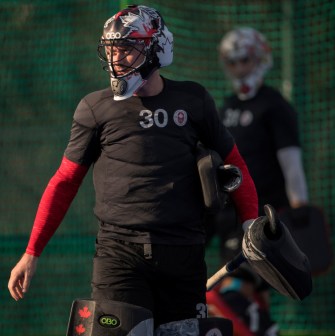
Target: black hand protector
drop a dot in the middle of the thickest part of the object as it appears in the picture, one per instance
(271, 251)
(217, 180)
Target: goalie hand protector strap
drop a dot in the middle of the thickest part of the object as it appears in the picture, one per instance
(271, 251)
(245, 197)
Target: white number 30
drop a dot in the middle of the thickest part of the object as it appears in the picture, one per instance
(159, 118)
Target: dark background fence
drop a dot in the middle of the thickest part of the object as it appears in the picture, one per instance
(48, 62)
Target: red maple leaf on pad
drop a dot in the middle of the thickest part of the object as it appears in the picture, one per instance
(80, 329)
(84, 313)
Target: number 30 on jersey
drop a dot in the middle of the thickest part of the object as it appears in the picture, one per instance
(160, 118)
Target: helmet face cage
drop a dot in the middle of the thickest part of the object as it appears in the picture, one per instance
(138, 32)
(119, 67)
(143, 28)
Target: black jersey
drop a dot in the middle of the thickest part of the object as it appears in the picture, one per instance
(261, 126)
(143, 150)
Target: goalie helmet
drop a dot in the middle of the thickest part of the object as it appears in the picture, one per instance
(137, 29)
(245, 45)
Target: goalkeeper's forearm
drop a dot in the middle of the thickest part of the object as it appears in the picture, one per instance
(55, 201)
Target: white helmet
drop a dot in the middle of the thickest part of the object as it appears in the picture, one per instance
(246, 43)
(142, 28)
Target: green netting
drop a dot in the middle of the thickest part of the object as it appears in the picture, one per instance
(48, 62)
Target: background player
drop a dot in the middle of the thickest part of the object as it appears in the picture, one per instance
(265, 128)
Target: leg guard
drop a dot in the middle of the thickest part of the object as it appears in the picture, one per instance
(212, 326)
(108, 318)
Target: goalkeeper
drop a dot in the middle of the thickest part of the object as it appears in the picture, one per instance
(140, 135)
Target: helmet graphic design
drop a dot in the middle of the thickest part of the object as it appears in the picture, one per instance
(245, 44)
(138, 31)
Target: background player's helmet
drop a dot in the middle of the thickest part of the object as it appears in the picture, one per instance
(142, 28)
(243, 44)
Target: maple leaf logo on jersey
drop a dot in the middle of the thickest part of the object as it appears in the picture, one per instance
(80, 329)
(84, 313)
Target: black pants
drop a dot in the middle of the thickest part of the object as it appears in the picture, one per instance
(172, 283)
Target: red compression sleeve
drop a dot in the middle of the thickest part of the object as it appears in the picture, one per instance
(55, 201)
(245, 197)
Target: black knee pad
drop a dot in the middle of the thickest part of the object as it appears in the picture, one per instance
(108, 318)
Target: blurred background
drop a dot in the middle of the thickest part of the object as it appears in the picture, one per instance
(48, 62)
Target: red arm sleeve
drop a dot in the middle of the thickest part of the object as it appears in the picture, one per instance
(245, 197)
(55, 201)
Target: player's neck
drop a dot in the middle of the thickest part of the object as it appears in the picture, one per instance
(152, 87)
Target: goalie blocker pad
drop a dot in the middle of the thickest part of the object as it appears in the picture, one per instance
(108, 318)
(276, 257)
